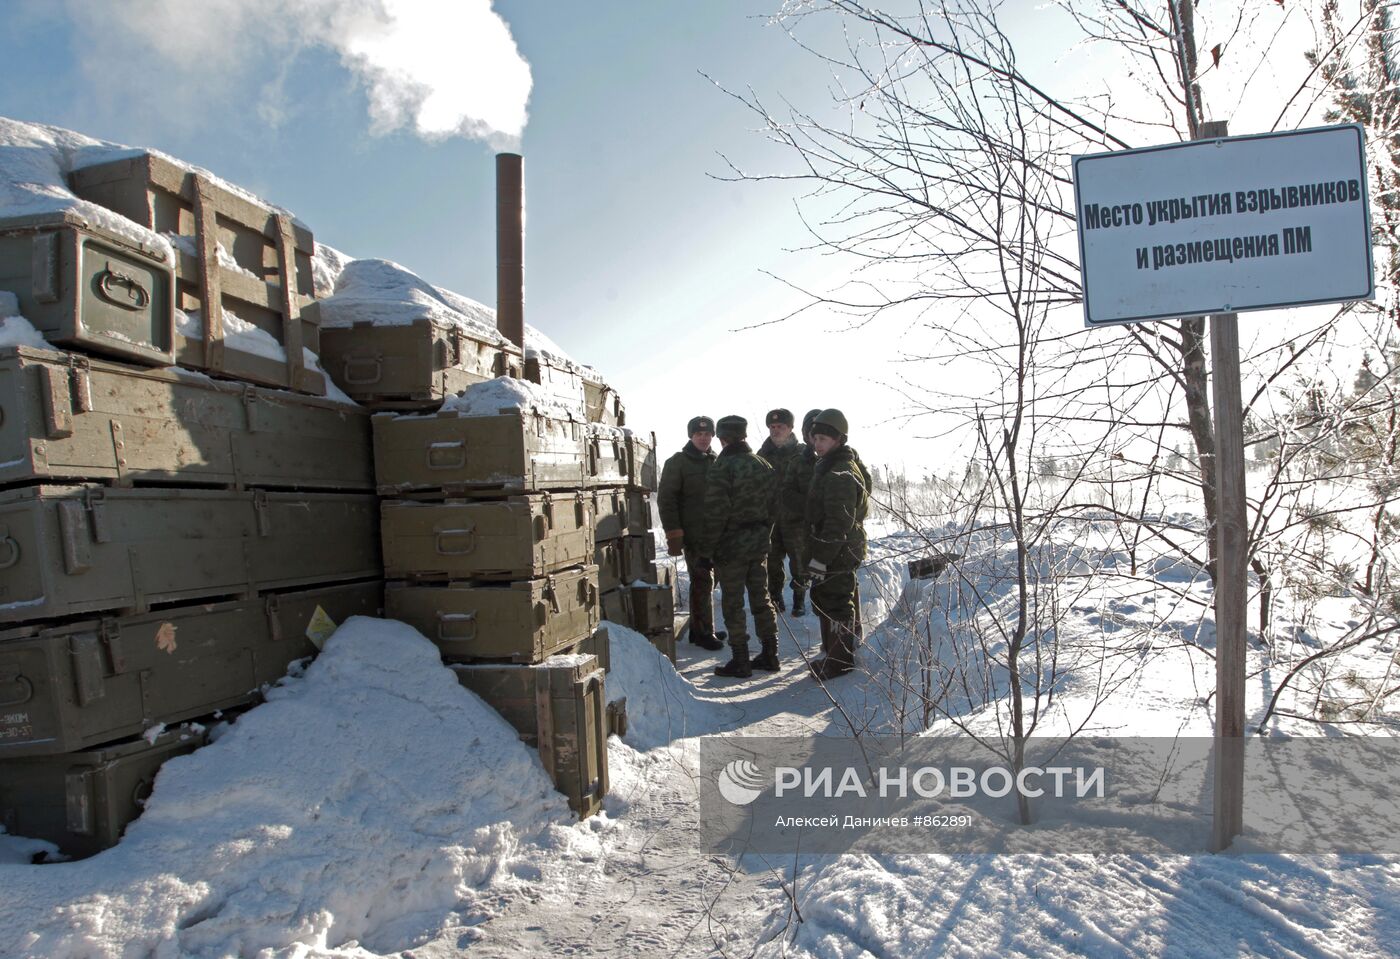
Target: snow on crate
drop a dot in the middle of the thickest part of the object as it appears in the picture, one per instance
(35, 161)
(17, 331)
(371, 799)
(238, 333)
(504, 393)
(383, 293)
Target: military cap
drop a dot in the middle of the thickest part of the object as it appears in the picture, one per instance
(699, 424)
(732, 428)
(830, 423)
(807, 420)
(779, 415)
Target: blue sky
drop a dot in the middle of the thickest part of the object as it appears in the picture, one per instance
(638, 261)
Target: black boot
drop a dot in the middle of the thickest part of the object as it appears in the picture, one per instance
(799, 601)
(738, 666)
(710, 642)
(768, 659)
(819, 664)
(840, 651)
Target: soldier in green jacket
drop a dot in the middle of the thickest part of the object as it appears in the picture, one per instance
(680, 499)
(783, 451)
(738, 529)
(837, 505)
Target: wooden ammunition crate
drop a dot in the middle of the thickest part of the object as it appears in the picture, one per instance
(639, 559)
(68, 417)
(601, 402)
(524, 622)
(610, 557)
(643, 474)
(620, 512)
(519, 537)
(68, 550)
(88, 288)
(563, 385)
(607, 455)
(599, 646)
(560, 708)
(616, 605)
(653, 609)
(515, 451)
(70, 686)
(665, 639)
(83, 801)
(264, 277)
(411, 366)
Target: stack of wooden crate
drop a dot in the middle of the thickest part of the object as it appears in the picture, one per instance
(170, 543)
(488, 533)
(637, 589)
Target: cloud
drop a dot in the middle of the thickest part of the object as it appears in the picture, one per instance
(437, 69)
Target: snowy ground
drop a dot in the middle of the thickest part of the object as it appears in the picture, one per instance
(373, 807)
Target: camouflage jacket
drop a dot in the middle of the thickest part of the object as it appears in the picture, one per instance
(797, 481)
(680, 496)
(837, 505)
(738, 506)
(785, 459)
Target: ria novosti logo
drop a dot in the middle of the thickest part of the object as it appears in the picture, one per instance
(740, 782)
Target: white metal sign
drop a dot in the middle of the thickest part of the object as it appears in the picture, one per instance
(1231, 224)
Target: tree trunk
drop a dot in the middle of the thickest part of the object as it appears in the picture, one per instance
(1196, 379)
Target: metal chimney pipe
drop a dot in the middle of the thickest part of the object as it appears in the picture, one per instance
(510, 247)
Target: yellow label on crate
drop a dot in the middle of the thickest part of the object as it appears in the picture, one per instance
(320, 628)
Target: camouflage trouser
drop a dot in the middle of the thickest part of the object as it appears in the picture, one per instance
(788, 541)
(735, 577)
(702, 597)
(834, 595)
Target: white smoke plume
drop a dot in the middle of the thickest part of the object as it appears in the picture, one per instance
(441, 69)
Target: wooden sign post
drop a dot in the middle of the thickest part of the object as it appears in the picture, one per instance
(1212, 227)
(1231, 582)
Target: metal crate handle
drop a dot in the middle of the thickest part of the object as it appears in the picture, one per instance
(122, 289)
(22, 683)
(373, 364)
(9, 552)
(447, 455)
(443, 536)
(468, 620)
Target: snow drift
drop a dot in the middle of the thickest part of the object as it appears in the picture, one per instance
(371, 799)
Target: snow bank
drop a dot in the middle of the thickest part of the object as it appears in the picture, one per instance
(372, 799)
(661, 706)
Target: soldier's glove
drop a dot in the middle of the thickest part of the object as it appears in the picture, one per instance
(675, 542)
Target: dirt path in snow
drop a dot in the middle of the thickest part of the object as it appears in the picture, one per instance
(656, 893)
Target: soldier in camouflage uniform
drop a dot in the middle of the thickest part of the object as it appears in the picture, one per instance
(680, 499)
(738, 528)
(837, 505)
(782, 450)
